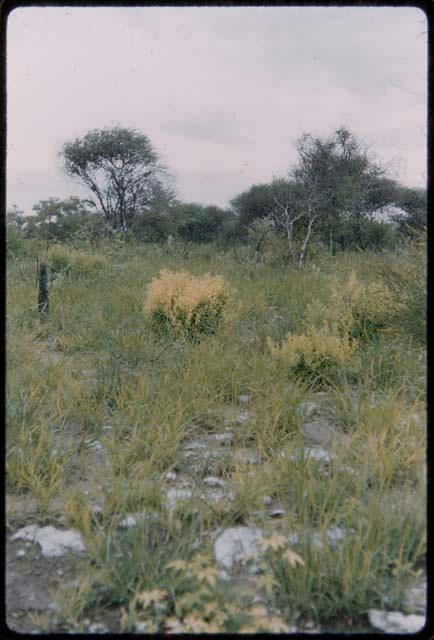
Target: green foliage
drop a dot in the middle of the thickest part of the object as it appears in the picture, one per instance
(77, 262)
(119, 166)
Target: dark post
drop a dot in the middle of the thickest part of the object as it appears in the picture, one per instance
(43, 290)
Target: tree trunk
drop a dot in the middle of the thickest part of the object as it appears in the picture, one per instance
(306, 242)
(290, 243)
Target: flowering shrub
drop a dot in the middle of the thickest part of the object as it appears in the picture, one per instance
(362, 309)
(316, 354)
(186, 304)
(62, 260)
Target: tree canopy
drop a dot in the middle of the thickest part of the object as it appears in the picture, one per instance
(119, 166)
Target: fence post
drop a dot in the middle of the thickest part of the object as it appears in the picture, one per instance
(43, 290)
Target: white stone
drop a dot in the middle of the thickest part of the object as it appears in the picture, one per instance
(416, 598)
(395, 621)
(21, 553)
(277, 513)
(315, 453)
(175, 495)
(98, 627)
(222, 437)
(247, 456)
(308, 408)
(194, 444)
(267, 500)
(212, 481)
(141, 627)
(171, 475)
(235, 543)
(53, 542)
(244, 399)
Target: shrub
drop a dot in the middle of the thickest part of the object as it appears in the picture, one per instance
(77, 262)
(316, 355)
(360, 310)
(185, 304)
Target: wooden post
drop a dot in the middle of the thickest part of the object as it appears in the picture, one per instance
(43, 290)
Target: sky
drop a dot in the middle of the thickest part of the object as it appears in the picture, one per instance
(221, 92)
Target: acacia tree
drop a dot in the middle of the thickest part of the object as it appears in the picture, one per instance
(119, 166)
(334, 180)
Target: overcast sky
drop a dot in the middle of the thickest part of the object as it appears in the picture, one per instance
(221, 92)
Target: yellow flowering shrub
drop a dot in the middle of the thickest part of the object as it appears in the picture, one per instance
(185, 304)
(62, 259)
(316, 353)
(361, 309)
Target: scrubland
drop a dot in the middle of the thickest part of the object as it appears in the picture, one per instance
(105, 398)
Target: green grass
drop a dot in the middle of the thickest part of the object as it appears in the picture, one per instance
(95, 362)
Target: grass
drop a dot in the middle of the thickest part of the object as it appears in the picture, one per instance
(96, 370)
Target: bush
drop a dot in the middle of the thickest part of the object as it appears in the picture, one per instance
(186, 305)
(63, 260)
(316, 355)
(360, 310)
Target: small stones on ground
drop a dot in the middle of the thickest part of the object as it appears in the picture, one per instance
(98, 627)
(141, 627)
(176, 495)
(211, 481)
(133, 519)
(267, 500)
(59, 572)
(95, 508)
(247, 456)
(415, 598)
(277, 513)
(21, 553)
(244, 398)
(308, 408)
(94, 444)
(312, 453)
(319, 432)
(53, 542)
(171, 475)
(234, 543)
(224, 438)
(395, 621)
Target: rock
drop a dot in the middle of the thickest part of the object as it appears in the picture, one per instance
(247, 456)
(211, 481)
(21, 553)
(175, 495)
(98, 627)
(308, 408)
(223, 438)
(277, 513)
(244, 399)
(395, 621)
(141, 627)
(315, 453)
(415, 598)
(53, 542)
(267, 500)
(96, 508)
(193, 445)
(234, 544)
(242, 418)
(319, 432)
(171, 475)
(215, 495)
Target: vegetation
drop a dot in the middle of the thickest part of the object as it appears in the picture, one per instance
(191, 346)
(96, 371)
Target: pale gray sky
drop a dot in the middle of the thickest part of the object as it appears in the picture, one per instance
(221, 92)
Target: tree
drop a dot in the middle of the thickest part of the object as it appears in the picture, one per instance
(64, 219)
(335, 180)
(255, 203)
(120, 168)
(199, 223)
